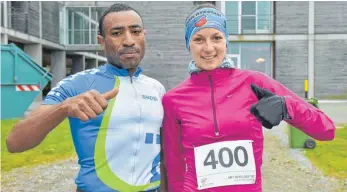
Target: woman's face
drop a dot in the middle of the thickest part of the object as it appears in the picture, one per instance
(208, 48)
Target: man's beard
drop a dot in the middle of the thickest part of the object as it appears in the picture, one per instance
(114, 58)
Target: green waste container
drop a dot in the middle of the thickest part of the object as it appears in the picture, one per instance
(297, 138)
(21, 81)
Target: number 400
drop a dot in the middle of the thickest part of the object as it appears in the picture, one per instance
(211, 159)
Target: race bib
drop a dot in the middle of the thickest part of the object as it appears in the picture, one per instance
(225, 163)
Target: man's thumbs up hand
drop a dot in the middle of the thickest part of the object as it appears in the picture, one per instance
(111, 94)
(270, 109)
(90, 104)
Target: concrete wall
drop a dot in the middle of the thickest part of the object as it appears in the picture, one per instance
(331, 17)
(25, 17)
(166, 57)
(291, 17)
(50, 21)
(291, 57)
(331, 69)
(291, 64)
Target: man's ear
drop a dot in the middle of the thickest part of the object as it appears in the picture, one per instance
(101, 41)
(144, 31)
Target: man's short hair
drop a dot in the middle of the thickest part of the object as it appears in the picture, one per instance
(118, 7)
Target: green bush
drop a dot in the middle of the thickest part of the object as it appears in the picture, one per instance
(313, 101)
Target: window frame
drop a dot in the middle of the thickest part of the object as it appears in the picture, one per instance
(240, 16)
(239, 55)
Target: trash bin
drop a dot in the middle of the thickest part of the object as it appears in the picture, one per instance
(297, 138)
(21, 81)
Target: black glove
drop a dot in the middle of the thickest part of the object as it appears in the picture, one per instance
(271, 108)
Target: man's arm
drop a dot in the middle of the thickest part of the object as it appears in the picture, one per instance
(31, 131)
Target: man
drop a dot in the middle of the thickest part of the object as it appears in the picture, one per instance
(115, 112)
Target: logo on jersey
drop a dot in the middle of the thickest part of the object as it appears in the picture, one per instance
(152, 138)
(152, 98)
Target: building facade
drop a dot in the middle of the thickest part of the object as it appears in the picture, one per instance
(289, 41)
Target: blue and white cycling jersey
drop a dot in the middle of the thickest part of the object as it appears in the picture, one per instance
(120, 149)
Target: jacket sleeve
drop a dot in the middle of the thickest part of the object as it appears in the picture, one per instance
(303, 115)
(172, 145)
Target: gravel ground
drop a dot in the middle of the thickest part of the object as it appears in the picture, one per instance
(284, 169)
(288, 170)
(56, 177)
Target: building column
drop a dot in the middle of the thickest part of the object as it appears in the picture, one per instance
(91, 63)
(40, 19)
(35, 52)
(4, 36)
(219, 5)
(58, 66)
(311, 40)
(78, 63)
(4, 39)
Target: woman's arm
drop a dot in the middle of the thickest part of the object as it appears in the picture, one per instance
(303, 115)
(173, 153)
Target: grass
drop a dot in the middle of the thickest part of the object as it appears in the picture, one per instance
(340, 96)
(57, 145)
(331, 157)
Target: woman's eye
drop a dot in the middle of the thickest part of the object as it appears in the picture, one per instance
(198, 40)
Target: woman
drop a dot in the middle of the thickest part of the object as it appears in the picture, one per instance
(213, 139)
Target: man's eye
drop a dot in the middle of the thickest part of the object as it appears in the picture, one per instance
(137, 31)
(115, 33)
(218, 38)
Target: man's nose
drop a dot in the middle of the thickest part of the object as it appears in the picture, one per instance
(128, 40)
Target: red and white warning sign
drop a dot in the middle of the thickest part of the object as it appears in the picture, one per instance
(27, 88)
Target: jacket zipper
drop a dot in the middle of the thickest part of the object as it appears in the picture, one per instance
(138, 121)
(216, 129)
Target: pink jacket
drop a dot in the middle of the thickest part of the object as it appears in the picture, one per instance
(214, 106)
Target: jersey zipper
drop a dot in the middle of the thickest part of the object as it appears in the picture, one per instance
(139, 124)
(216, 129)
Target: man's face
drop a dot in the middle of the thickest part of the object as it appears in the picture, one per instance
(124, 39)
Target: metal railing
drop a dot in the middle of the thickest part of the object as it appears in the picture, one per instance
(24, 21)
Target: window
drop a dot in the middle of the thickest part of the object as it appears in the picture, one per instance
(249, 17)
(61, 25)
(83, 23)
(197, 3)
(96, 12)
(253, 56)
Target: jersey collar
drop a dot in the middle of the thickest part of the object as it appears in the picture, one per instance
(121, 72)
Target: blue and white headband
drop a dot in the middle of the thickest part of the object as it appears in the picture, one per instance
(205, 18)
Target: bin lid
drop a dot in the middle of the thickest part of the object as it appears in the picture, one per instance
(13, 48)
